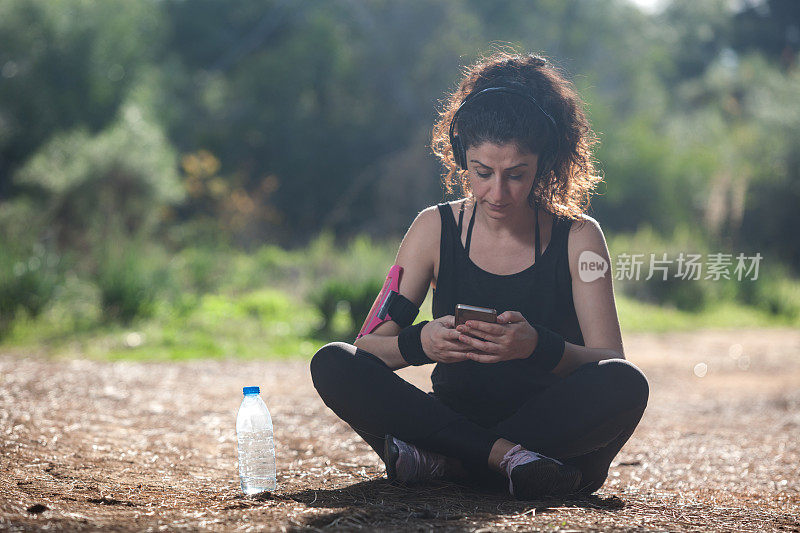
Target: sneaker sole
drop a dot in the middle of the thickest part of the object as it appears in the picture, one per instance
(544, 478)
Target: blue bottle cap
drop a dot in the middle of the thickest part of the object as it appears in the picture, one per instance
(251, 390)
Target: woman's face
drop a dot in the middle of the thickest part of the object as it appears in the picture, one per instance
(501, 177)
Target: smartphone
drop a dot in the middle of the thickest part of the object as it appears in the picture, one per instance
(466, 312)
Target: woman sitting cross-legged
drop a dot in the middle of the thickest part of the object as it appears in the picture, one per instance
(542, 399)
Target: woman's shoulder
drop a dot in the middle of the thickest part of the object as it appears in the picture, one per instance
(425, 232)
(455, 206)
(432, 216)
(585, 234)
(429, 218)
(422, 242)
(583, 227)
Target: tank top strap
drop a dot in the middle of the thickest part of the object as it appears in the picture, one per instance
(560, 237)
(537, 239)
(444, 293)
(469, 230)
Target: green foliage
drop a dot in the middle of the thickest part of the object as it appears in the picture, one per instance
(780, 297)
(650, 179)
(356, 297)
(129, 281)
(200, 269)
(774, 155)
(273, 264)
(684, 294)
(116, 181)
(327, 299)
(344, 279)
(66, 65)
(137, 307)
(99, 101)
(643, 317)
(28, 282)
(696, 96)
(266, 304)
(361, 299)
(775, 292)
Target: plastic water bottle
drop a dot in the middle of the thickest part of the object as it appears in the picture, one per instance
(255, 443)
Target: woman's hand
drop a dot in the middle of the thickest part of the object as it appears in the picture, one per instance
(440, 341)
(511, 338)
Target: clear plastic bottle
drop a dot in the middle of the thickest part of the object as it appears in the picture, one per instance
(255, 443)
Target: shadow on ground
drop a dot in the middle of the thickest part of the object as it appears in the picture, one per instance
(377, 504)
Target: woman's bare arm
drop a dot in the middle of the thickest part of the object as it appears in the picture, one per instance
(416, 255)
(594, 303)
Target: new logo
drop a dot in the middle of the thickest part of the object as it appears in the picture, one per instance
(591, 266)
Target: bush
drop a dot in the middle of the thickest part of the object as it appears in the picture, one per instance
(781, 297)
(361, 299)
(27, 282)
(276, 265)
(326, 299)
(201, 270)
(88, 184)
(775, 291)
(684, 294)
(129, 282)
(266, 305)
(358, 297)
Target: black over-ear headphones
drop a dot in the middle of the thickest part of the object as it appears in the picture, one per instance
(460, 151)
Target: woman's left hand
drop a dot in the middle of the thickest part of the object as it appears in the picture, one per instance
(511, 338)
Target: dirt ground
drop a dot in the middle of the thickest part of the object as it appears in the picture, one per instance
(151, 446)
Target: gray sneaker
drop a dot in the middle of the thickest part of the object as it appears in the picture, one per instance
(406, 464)
(532, 475)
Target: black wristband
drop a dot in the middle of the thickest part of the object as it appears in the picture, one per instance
(549, 349)
(410, 343)
(401, 309)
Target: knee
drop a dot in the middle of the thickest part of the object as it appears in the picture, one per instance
(626, 381)
(329, 363)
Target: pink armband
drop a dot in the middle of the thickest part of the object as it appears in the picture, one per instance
(390, 305)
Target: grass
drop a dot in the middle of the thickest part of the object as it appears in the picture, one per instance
(636, 316)
(265, 323)
(269, 323)
(232, 304)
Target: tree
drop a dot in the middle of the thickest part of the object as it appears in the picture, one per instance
(67, 65)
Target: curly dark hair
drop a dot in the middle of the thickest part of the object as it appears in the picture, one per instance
(566, 177)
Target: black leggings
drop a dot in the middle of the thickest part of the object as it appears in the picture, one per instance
(583, 419)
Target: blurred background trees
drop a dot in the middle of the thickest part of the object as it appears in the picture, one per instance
(238, 124)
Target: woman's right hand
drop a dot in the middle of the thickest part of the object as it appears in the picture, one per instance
(440, 341)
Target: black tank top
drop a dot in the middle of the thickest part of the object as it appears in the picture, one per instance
(489, 392)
